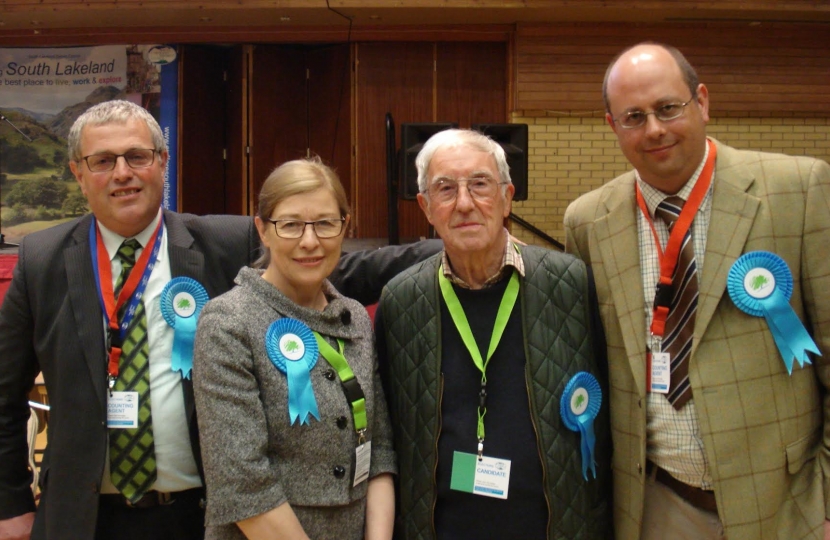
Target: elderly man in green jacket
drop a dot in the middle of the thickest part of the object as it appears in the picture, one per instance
(490, 360)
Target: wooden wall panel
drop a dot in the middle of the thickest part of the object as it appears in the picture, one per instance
(472, 83)
(299, 107)
(769, 68)
(395, 78)
(201, 157)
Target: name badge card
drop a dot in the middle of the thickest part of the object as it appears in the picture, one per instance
(122, 410)
(362, 462)
(489, 477)
(660, 372)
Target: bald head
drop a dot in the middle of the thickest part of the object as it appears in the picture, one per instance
(644, 50)
(643, 80)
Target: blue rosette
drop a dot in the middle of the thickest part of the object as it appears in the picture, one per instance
(760, 284)
(579, 406)
(293, 350)
(182, 300)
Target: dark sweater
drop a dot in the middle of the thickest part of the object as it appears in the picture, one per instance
(508, 427)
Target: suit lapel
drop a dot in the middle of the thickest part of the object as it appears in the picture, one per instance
(617, 242)
(186, 261)
(86, 308)
(733, 212)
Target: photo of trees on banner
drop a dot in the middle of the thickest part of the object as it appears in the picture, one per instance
(42, 93)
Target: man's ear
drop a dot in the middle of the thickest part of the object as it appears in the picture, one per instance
(423, 202)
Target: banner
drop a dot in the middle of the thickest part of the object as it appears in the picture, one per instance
(42, 93)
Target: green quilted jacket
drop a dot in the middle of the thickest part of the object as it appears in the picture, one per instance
(558, 344)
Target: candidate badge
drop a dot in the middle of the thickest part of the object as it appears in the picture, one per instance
(760, 284)
(579, 407)
(293, 350)
(182, 299)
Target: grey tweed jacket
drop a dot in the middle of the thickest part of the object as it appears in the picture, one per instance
(254, 460)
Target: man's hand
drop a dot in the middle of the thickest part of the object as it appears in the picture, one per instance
(20, 527)
(827, 529)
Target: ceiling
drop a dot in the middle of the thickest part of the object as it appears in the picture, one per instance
(32, 17)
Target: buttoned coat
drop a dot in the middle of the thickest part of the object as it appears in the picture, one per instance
(764, 431)
(255, 458)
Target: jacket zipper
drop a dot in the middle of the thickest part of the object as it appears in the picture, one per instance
(538, 449)
(435, 466)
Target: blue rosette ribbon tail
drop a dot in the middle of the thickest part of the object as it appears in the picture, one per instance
(182, 300)
(579, 407)
(760, 284)
(292, 348)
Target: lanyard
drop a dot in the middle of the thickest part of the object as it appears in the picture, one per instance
(131, 291)
(668, 259)
(351, 388)
(508, 301)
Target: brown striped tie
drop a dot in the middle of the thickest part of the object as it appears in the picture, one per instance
(680, 324)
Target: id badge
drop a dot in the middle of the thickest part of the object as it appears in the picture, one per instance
(660, 372)
(362, 462)
(489, 477)
(122, 410)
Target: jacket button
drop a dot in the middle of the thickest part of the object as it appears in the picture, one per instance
(339, 472)
(342, 422)
(329, 374)
(639, 469)
(640, 403)
(95, 487)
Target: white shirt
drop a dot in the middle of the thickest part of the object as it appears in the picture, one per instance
(175, 465)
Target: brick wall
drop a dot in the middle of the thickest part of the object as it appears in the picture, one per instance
(571, 155)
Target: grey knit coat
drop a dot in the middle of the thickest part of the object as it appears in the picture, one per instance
(254, 460)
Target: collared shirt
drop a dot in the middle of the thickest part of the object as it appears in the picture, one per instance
(674, 441)
(511, 258)
(175, 465)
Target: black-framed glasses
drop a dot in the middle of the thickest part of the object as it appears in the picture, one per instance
(664, 113)
(137, 158)
(292, 229)
(480, 188)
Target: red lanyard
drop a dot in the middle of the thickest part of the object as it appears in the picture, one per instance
(111, 304)
(668, 260)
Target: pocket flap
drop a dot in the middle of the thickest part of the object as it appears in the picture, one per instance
(801, 451)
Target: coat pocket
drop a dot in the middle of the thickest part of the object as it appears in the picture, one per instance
(802, 451)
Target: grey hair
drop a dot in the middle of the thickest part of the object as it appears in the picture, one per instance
(454, 138)
(117, 111)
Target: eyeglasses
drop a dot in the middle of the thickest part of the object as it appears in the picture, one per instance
(137, 158)
(664, 113)
(480, 188)
(292, 229)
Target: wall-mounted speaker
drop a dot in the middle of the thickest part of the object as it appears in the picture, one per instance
(513, 139)
(413, 137)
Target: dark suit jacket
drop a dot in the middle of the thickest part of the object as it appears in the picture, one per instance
(50, 321)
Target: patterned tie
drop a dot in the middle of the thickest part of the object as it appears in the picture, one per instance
(680, 324)
(132, 452)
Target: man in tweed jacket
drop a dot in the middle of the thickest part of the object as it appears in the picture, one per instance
(753, 438)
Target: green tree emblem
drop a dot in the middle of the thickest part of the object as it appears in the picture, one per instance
(291, 346)
(183, 303)
(580, 399)
(758, 282)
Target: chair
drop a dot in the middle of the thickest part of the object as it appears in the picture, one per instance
(33, 430)
(34, 424)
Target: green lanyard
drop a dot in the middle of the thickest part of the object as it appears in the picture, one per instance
(508, 301)
(351, 388)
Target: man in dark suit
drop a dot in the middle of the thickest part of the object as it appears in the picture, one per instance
(52, 321)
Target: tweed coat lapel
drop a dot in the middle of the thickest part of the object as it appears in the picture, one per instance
(86, 308)
(617, 242)
(733, 212)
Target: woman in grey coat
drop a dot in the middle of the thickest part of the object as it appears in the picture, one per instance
(295, 444)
